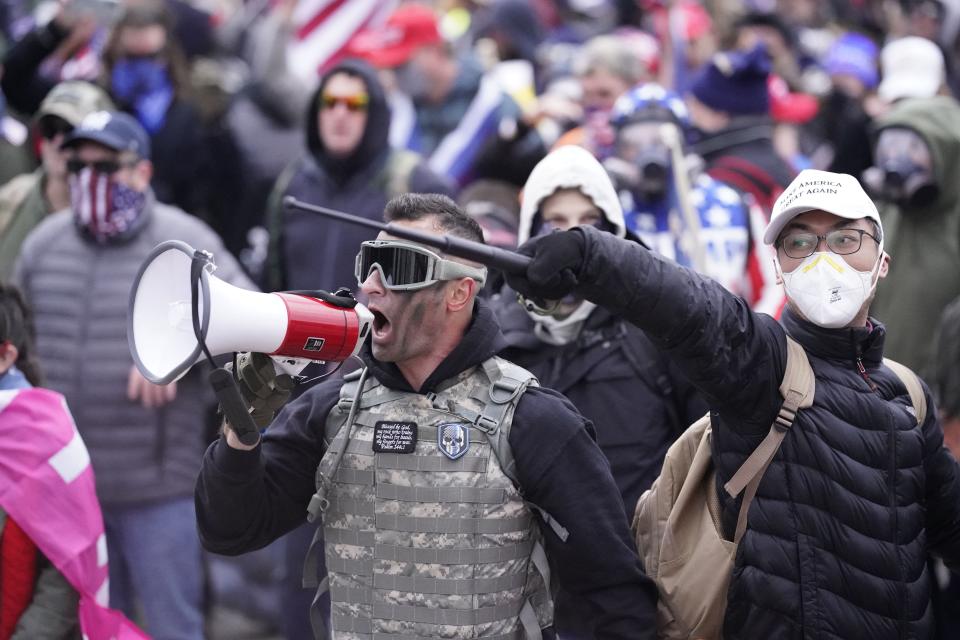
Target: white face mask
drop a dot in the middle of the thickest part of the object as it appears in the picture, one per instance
(827, 290)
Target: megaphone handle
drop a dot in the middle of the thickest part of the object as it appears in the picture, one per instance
(234, 408)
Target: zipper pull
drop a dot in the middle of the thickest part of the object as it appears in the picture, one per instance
(864, 374)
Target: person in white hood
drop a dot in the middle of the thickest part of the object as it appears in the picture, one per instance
(566, 189)
(614, 375)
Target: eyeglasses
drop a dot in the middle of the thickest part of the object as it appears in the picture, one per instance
(801, 244)
(52, 126)
(405, 267)
(355, 103)
(75, 165)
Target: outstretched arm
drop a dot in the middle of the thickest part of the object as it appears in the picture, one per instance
(713, 336)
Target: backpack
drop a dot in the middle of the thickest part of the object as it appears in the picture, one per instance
(677, 521)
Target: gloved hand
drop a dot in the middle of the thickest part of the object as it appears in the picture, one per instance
(554, 272)
(264, 391)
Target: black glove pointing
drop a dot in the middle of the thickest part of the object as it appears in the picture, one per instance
(555, 269)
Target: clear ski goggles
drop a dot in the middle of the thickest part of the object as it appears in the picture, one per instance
(404, 266)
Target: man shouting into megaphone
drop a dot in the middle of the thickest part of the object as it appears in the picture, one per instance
(443, 476)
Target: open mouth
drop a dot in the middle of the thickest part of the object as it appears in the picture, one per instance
(381, 324)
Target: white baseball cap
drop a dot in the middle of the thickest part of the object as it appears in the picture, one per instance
(813, 190)
(911, 67)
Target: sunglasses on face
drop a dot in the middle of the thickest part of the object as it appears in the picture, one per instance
(51, 126)
(405, 267)
(355, 103)
(109, 167)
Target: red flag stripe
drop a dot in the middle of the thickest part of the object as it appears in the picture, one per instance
(304, 30)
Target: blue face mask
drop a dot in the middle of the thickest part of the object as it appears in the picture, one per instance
(144, 84)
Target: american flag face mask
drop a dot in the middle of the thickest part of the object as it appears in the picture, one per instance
(102, 206)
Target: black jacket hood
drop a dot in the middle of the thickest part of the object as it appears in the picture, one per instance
(481, 341)
(374, 142)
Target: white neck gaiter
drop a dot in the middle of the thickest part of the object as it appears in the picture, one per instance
(559, 332)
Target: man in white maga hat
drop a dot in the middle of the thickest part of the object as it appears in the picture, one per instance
(861, 490)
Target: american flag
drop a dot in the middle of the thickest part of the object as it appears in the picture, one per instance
(322, 29)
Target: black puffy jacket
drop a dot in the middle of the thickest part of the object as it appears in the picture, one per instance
(858, 494)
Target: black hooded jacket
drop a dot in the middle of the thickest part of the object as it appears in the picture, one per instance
(858, 494)
(308, 251)
(245, 499)
(637, 399)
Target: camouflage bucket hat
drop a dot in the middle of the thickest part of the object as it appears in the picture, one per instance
(74, 100)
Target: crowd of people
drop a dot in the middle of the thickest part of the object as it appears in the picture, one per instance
(698, 184)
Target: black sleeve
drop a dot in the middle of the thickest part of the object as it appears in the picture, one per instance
(690, 403)
(711, 334)
(21, 81)
(246, 499)
(561, 470)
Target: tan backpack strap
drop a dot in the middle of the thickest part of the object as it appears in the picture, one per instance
(910, 380)
(798, 388)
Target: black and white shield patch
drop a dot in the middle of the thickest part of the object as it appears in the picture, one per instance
(453, 439)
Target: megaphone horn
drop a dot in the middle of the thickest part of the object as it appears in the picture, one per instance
(161, 318)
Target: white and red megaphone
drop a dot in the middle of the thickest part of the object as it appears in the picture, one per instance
(176, 300)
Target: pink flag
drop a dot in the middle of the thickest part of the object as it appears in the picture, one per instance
(47, 486)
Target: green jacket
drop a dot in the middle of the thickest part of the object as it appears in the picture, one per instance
(923, 243)
(52, 613)
(22, 207)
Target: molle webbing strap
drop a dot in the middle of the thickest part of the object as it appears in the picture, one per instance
(487, 555)
(507, 381)
(395, 553)
(359, 628)
(410, 462)
(423, 584)
(318, 502)
(354, 476)
(798, 388)
(456, 617)
(473, 495)
(330, 463)
(411, 524)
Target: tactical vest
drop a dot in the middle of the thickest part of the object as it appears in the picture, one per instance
(429, 537)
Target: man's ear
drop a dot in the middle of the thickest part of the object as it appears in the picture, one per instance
(776, 268)
(461, 293)
(8, 355)
(884, 266)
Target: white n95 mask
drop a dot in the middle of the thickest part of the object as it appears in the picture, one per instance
(827, 290)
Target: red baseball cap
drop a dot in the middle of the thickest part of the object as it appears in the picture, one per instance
(410, 27)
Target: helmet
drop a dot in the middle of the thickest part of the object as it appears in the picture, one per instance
(650, 102)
